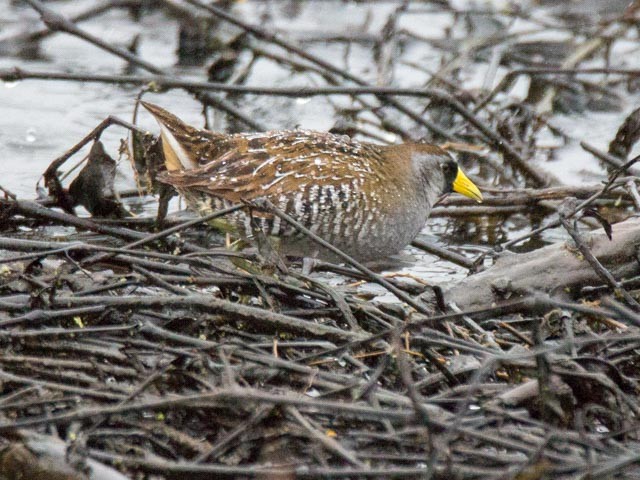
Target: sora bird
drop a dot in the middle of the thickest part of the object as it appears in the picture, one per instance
(368, 200)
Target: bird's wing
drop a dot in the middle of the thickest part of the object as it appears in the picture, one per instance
(271, 164)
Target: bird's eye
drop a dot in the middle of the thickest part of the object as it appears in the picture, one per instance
(446, 167)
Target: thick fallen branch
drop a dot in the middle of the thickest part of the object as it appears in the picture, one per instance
(558, 267)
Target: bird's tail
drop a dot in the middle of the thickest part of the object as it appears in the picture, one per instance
(177, 137)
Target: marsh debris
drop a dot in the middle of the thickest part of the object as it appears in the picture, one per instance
(156, 351)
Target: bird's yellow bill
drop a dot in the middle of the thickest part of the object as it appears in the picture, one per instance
(466, 187)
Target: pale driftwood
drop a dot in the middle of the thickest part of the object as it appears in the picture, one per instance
(36, 456)
(558, 267)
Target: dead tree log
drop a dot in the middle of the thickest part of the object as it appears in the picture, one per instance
(557, 268)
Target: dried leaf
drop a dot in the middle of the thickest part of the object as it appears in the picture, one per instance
(627, 135)
(146, 159)
(93, 187)
(593, 213)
